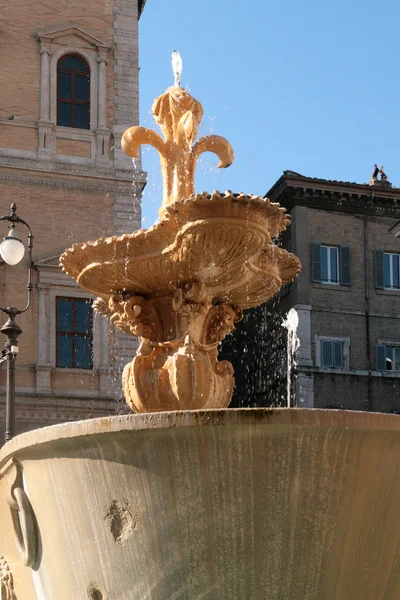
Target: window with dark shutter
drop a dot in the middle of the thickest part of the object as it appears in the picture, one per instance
(316, 262)
(74, 333)
(378, 260)
(331, 264)
(73, 92)
(387, 357)
(332, 354)
(345, 265)
(387, 270)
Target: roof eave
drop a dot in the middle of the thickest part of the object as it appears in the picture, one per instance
(141, 4)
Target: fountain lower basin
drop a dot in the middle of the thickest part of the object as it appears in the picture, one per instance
(212, 505)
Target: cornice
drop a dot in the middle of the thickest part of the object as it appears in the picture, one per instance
(354, 202)
(111, 187)
(141, 4)
(28, 164)
(80, 177)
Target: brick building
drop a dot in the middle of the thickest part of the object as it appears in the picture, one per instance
(69, 88)
(347, 298)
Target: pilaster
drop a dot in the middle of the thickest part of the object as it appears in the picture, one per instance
(126, 76)
(305, 390)
(45, 142)
(43, 367)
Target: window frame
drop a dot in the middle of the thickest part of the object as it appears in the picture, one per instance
(92, 60)
(333, 344)
(394, 347)
(391, 255)
(73, 333)
(319, 339)
(343, 265)
(73, 101)
(329, 265)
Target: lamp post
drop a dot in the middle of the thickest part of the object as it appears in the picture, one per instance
(12, 251)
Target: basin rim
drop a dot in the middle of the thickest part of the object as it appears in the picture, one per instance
(294, 417)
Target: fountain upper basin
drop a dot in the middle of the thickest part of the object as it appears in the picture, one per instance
(221, 504)
(220, 240)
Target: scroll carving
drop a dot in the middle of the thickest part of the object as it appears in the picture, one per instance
(177, 363)
(179, 116)
(22, 515)
(6, 581)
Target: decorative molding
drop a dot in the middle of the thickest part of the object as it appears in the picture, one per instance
(345, 201)
(16, 122)
(18, 153)
(134, 176)
(51, 283)
(70, 133)
(388, 342)
(6, 581)
(55, 34)
(56, 42)
(91, 186)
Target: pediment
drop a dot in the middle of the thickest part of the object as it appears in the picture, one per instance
(50, 262)
(70, 34)
(50, 273)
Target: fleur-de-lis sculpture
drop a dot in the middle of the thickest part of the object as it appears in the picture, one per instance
(179, 116)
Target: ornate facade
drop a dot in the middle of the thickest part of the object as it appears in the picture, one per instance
(61, 162)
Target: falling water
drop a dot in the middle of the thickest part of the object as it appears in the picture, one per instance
(291, 323)
(177, 67)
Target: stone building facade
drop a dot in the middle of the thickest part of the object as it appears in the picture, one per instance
(69, 89)
(347, 298)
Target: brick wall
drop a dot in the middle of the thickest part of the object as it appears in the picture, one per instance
(21, 21)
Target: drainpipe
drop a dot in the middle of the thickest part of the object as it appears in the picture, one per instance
(367, 323)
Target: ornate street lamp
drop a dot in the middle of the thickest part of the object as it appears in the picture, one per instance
(12, 251)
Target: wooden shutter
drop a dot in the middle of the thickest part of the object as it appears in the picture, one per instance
(379, 270)
(316, 262)
(345, 265)
(381, 357)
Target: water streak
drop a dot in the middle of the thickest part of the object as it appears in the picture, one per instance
(177, 67)
(291, 323)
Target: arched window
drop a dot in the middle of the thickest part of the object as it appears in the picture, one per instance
(73, 92)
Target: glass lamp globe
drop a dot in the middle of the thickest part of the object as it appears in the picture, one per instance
(12, 250)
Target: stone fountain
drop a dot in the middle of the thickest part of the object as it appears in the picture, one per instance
(182, 502)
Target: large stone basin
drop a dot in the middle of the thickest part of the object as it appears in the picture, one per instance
(248, 504)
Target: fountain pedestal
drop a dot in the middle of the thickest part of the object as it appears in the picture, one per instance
(182, 284)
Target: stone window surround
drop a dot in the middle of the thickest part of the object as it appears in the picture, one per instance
(329, 338)
(392, 343)
(55, 284)
(95, 52)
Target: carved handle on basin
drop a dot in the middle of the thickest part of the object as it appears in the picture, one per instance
(22, 515)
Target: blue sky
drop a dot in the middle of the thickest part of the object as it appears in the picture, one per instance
(309, 86)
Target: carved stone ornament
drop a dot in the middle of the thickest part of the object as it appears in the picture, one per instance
(22, 515)
(182, 284)
(6, 581)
